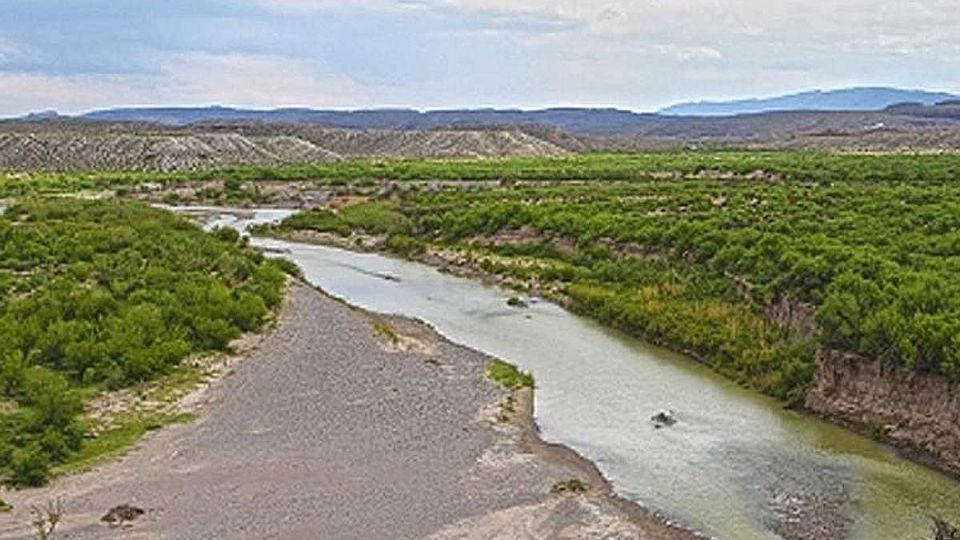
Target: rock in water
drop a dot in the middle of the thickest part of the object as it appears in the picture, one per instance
(517, 302)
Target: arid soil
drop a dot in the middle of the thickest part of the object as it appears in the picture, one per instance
(80, 145)
(128, 148)
(346, 425)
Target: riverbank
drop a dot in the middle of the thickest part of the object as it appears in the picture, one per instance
(335, 428)
(921, 430)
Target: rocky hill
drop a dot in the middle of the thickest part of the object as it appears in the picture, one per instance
(104, 147)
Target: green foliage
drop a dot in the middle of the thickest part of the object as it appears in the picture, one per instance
(227, 234)
(368, 217)
(689, 248)
(104, 295)
(875, 249)
(404, 245)
(824, 169)
(319, 220)
(508, 375)
(376, 218)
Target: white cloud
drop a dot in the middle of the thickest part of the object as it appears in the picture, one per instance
(186, 78)
(689, 53)
(895, 25)
(254, 80)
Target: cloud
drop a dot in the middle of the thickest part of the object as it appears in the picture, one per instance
(451, 53)
(9, 51)
(185, 78)
(689, 53)
(254, 80)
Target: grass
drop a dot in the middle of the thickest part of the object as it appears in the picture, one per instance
(117, 441)
(385, 331)
(508, 375)
(130, 426)
(183, 379)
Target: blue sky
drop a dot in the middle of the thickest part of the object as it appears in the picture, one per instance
(76, 55)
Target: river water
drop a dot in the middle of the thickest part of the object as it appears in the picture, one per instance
(735, 466)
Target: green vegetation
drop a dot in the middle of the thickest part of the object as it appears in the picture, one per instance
(116, 441)
(97, 296)
(318, 220)
(367, 217)
(383, 329)
(691, 249)
(880, 260)
(787, 166)
(508, 375)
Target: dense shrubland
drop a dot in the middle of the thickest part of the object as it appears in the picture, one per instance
(881, 259)
(872, 241)
(102, 295)
(793, 166)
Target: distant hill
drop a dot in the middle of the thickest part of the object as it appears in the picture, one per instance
(850, 99)
(848, 112)
(594, 121)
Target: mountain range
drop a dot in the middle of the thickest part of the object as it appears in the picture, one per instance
(848, 99)
(712, 118)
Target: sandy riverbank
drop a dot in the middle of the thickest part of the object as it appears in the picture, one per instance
(332, 429)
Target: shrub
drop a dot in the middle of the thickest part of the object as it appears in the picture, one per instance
(508, 375)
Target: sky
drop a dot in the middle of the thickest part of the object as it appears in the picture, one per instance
(79, 55)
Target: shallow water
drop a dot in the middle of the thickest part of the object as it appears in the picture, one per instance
(734, 466)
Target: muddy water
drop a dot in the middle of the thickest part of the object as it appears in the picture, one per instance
(735, 465)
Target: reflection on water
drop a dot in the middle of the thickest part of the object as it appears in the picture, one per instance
(736, 465)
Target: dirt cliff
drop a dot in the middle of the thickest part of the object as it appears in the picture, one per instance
(918, 412)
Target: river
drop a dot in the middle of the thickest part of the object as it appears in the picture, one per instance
(735, 466)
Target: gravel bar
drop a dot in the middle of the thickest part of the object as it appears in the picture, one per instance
(346, 425)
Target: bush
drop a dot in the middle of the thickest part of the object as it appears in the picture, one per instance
(227, 234)
(28, 467)
(508, 375)
(318, 220)
(117, 293)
